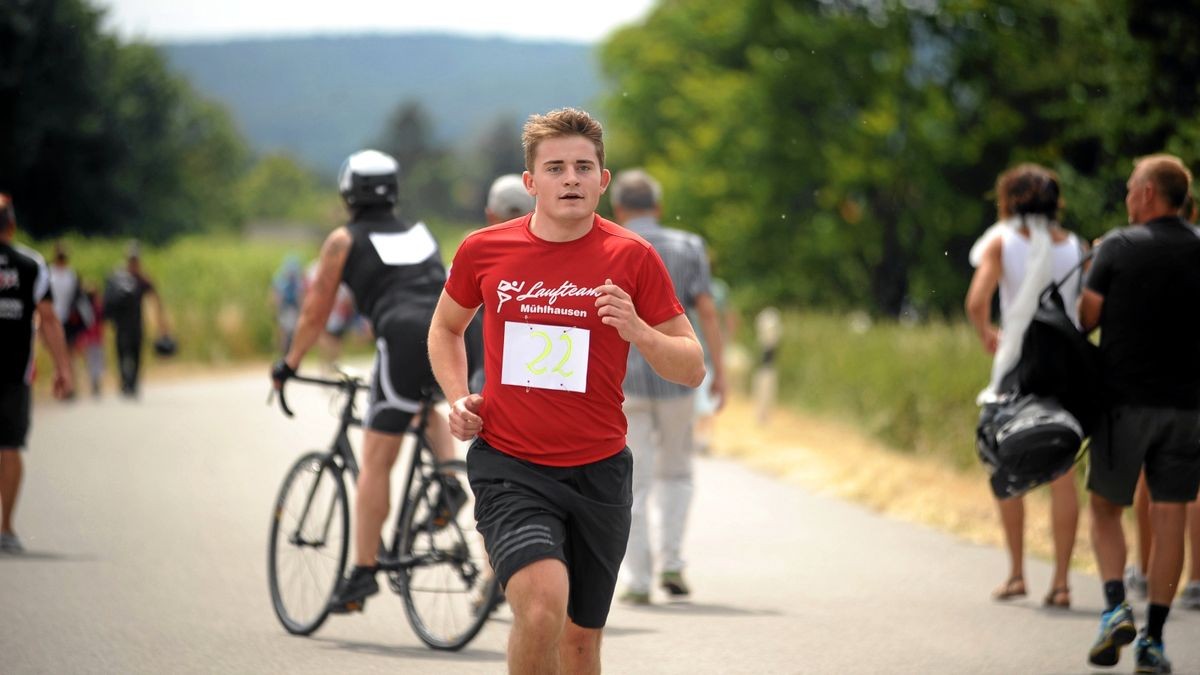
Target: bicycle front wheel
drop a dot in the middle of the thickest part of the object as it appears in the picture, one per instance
(447, 587)
(310, 530)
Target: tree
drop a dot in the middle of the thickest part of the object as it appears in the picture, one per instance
(425, 167)
(100, 137)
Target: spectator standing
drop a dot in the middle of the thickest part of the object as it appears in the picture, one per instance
(1021, 255)
(1142, 280)
(660, 412)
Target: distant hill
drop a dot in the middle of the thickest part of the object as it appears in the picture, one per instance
(323, 97)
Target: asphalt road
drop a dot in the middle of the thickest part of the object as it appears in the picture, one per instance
(146, 525)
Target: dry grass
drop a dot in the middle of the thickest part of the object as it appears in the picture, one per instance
(832, 457)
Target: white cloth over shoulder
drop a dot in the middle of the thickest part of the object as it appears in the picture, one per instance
(1038, 275)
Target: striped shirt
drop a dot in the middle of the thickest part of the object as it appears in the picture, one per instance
(686, 258)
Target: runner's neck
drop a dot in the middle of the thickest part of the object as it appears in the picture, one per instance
(547, 229)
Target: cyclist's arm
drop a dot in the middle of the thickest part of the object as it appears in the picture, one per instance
(447, 346)
(320, 296)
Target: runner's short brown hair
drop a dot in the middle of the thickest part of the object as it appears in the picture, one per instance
(558, 123)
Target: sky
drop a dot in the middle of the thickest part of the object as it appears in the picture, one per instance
(174, 20)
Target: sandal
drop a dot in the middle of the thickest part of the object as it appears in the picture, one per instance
(1013, 588)
(1058, 598)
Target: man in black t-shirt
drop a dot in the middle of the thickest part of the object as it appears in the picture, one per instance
(1142, 292)
(24, 294)
(124, 291)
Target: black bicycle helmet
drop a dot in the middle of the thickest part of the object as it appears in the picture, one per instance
(369, 178)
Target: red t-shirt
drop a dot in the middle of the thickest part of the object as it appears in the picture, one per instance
(553, 390)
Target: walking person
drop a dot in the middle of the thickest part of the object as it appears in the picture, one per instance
(72, 306)
(660, 413)
(1004, 262)
(394, 271)
(564, 294)
(124, 293)
(1142, 280)
(25, 298)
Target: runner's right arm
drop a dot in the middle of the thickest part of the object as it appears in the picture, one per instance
(448, 357)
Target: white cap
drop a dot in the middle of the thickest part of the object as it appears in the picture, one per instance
(508, 197)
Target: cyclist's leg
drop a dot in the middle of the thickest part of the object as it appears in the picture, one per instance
(437, 429)
(372, 503)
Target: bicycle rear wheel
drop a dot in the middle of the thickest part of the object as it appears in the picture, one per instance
(448, 590)
(310, 530)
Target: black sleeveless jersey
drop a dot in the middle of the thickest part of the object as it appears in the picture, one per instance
(24, 282)
(394, 269)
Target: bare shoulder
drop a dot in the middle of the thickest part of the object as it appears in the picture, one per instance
(337, 243)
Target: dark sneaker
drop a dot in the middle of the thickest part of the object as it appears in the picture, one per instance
(9, 543)
(353, 591)
(1116, 631)
(674, 585)
(1151, 656)
(449, 503)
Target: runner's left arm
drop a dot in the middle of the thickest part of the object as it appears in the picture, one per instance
(670, 347)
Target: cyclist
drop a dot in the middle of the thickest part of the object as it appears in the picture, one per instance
(564, 294)
(24, 295)
(395, 272)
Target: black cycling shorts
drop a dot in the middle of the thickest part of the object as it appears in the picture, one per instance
(1165, 441)
(14, 415)
(580, 515)
(401, 377)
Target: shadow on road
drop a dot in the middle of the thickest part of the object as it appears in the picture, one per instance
(43, 556)
(467, 654)
(702, 609)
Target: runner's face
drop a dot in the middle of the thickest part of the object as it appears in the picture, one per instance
(567, 179)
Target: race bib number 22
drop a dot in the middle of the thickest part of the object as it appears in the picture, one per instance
(545, 357)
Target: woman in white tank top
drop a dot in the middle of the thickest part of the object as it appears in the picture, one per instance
(1027, 203)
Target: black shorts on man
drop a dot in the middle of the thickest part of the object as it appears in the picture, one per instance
(14, 414)
(1166, 441)
(579, 515)
(402, 376)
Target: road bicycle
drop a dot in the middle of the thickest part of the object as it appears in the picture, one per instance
(436, 564)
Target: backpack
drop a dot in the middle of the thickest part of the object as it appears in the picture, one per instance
(1032, 434)
(1058, 361)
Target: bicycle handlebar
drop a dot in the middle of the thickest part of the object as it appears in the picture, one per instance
(347, 383)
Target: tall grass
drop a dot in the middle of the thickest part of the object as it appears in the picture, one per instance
(912, 386)
(216, 289)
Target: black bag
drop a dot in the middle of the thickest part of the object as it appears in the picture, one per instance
(1026, 441)
(1058, 361)
(1051, 401)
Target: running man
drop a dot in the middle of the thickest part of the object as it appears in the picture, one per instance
(24, 295)
(564, 294)
(395, 272)
(1139, 292)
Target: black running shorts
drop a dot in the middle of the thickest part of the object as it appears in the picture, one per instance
(14, 415)
(1164, 440)
(580, 515)
(400, 377)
